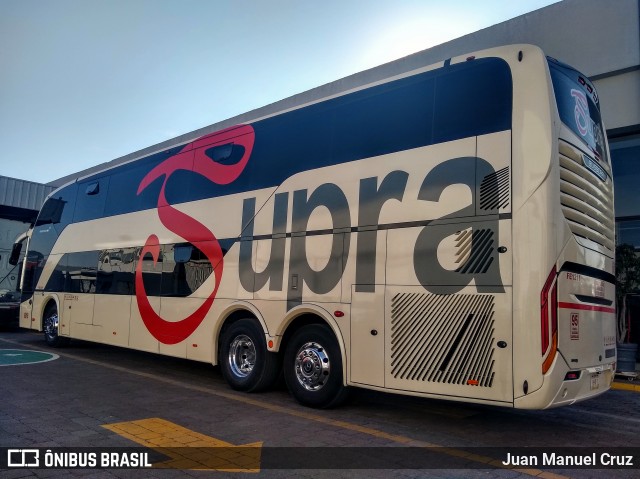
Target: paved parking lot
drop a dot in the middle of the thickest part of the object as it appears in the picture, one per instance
(96, 398)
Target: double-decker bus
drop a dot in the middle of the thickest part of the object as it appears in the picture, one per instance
(447, 232)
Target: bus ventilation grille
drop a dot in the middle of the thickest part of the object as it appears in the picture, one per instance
(494, 190)
(443, 338)
(474, 250)
(587, 201)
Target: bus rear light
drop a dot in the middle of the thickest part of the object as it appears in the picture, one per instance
(552, 354)
(572, 376)
(549, 319)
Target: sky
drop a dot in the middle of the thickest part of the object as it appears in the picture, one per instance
(83, 82)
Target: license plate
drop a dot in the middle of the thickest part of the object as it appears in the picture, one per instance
(595, 381)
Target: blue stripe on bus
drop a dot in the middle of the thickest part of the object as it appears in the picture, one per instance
(467, 99)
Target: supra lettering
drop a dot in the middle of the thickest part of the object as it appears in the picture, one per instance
(371, 200)
(374, 193)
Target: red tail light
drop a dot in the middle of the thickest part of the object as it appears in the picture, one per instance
(549, 320)
(572, 376)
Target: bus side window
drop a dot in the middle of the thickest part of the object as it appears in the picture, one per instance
(152, 272)
(383, 120)
(92, 196)
(123, 196)
(55, 215)
(81, 272)
(116, 271)
(58, 278)
(472, 99)
(185, 268)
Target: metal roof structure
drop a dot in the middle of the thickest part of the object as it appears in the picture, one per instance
(21, 200)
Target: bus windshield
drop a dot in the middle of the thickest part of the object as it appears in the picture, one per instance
(578, 106)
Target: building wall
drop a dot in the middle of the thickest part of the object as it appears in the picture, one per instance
(9, 231)
(20, 202)
(26, 195)
(619, 94)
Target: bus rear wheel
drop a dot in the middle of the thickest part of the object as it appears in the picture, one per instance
(313, 367)
(50, 327)
(246, 363)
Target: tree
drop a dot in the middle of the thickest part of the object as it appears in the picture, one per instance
(627, 282)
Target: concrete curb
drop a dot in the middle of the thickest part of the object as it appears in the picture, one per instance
(626, 386)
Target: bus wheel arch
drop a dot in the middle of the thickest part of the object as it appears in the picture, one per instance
(314, 362)
(50, 324)
(246, 363)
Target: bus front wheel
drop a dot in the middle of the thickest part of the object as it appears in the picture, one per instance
(313, 367)
(50, 327)
(246, 363)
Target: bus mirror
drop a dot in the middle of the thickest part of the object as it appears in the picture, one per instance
(15, 253)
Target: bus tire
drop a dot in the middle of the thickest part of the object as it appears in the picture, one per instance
(50, 327)
(313, 367)
(246, 363)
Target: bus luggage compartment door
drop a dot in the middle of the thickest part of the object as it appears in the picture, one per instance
(456, 344)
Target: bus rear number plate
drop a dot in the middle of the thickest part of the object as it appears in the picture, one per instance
(595, 381)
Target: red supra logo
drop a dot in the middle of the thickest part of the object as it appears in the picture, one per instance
(191, 158)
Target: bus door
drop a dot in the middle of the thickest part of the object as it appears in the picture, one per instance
(78, 300)
(29, 270)
(25, 280)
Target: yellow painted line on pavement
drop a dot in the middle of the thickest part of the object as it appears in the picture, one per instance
(625, 386)
(189, 449)
(245, 399)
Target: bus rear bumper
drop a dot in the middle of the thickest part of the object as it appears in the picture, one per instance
(561, 387)
(591, 382)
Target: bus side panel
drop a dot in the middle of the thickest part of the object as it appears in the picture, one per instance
(453, 340)
(113, 314)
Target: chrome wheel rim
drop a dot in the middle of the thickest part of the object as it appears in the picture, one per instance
(312, 366)
(51, 326)
(242, 356)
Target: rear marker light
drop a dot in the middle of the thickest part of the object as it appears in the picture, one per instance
(572, 376)
(549, 320)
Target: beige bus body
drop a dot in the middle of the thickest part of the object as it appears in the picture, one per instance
(458, 341)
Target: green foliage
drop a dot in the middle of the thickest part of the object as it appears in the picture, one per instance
(627, 270)
(627, 282)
